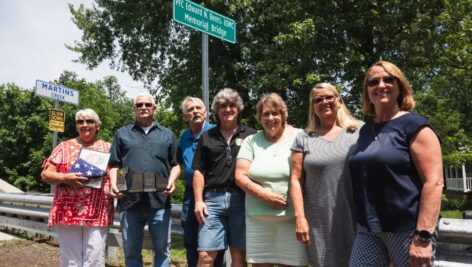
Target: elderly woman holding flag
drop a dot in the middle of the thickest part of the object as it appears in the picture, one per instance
(82, 210)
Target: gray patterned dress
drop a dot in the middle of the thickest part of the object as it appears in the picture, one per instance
(327, 197)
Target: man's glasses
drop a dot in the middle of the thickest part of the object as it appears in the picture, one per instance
(228, 158)
(80, 122)
(376, 81)
(328, 98)
(140, 105)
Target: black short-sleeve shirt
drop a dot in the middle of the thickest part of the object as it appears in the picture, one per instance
(212, 160)
(154, 152)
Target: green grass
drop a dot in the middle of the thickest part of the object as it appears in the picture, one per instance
(177, 255)
(456, 214)
(177, 250)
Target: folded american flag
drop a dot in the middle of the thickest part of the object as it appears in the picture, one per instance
(86, 169)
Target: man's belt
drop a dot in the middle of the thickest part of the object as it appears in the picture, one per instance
(139, 181)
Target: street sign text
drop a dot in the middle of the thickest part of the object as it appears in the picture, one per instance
(56, 120)
(57, 92)
(204, 20)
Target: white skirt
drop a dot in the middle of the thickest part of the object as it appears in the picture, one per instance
(272, 239)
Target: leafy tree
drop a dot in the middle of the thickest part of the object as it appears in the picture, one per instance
(26, 140)
(119, 102)
(288, 46)
(24, 136)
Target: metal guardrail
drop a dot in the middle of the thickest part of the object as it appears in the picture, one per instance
(454, 246)
(30, 212)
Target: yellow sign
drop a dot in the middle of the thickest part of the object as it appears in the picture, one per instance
(56, 120)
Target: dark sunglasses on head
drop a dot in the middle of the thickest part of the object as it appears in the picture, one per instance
(328, 98)
(228, 158)
(88, 121)
(140, 105)
(376, 81)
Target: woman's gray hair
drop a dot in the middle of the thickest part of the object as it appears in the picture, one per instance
(88, 113)
(227, 95)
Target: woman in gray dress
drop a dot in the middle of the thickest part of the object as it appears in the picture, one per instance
(320, 183)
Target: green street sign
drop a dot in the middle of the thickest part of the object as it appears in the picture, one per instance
(204, 20)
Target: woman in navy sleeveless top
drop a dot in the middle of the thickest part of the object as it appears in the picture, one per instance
(397, 177)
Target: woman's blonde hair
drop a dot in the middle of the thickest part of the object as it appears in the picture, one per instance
(405, 99)
(344, 118)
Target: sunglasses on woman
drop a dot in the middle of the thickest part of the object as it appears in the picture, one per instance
(328, 98)
(88, 121)
(376, 81)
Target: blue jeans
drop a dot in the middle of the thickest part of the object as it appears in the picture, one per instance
(190, 225)
(225, 223)
(132, 228)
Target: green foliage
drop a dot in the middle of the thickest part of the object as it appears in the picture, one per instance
(25, 138)
(178, 195)
(282, 46)
(23, 132)
(448, 124)
(450, 203)
(288, 46)
(170, 119)
(454, 214)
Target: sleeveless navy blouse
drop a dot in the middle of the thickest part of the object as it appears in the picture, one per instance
(386, 184)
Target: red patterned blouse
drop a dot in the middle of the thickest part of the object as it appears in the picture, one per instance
(79, 206)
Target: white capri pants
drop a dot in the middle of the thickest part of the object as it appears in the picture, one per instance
(82, 246)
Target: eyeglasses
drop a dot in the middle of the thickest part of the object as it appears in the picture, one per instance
(140, 105)
(80, 122)
(228, 157)
(328, 98)
(268, 113)
(376, 81)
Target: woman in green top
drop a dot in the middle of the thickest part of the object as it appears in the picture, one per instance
(263, 172)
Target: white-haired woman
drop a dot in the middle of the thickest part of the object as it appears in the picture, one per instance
(321, 187)
(81, 214)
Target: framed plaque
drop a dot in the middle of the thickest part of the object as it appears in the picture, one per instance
(149, 182)
(137, 182)
(121, 179)
(161, 183)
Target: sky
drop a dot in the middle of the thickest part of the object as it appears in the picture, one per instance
(33, 34)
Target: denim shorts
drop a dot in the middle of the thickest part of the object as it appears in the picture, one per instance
(225, 223)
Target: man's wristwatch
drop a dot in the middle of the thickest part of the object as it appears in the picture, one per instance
(424, 235)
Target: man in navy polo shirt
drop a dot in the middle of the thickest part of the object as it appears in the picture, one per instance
(146, 148)
(194, 114)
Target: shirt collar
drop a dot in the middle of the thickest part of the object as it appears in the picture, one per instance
(155, 124)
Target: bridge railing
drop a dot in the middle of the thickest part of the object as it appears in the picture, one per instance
(29, 212)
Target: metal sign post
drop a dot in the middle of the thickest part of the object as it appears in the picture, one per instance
(208, 22)
(54, 138)
(58, 93)
(205, 77)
